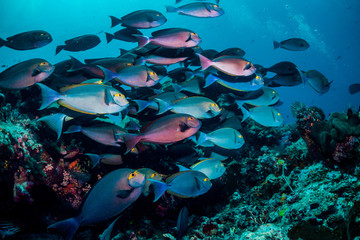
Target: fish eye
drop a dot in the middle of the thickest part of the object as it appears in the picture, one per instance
(153, 175)
(131, 175)
(258, 77)
(240, 136)
(273, 92)
(118, 95)
(206, 179)
(278, 114)
(43, 63)
(222, 165)
(190, 118)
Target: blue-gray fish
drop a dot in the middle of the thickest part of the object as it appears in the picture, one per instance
(109, 159)
(81, 43)
(196, 106)
(185, 184)
(107, 134)
(142, 19)
(182, 222)
(292, 44)
(198, 9)
(149, 174)
(27, 40)
(264, 115)
(227, 138)
(269, 97)
(25, 74)
(317, 81)
(213, 168)
(85, 98)
(109, 197)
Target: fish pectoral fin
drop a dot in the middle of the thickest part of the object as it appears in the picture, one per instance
(189, 38)
(248, 66)
(208, 8)
(183, 127)
(108, 97)
(198, 184)
(35, 72)
(124, 193)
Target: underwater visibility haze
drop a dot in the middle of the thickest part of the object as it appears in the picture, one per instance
(179, 120)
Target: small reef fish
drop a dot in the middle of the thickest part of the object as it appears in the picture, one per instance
(165, 130)
(142, 19)
(109, 197)
(231, 65)
(109, 159)
(125, 34)
(198, 9)
(292, 44)
(182, 222)
(101, 133)
(236, 83)
(81, 43)
(85, 98)
(354, 88)
(198, 107)
(170, 38)
(264, 115)
(283, 68)
(317, 81)
(25, 74)
(269, 97)
(185, 184)
(211, 167)
(133, 76)
(227, 138)
(27, 40)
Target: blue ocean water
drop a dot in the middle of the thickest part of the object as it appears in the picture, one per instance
(331, 28)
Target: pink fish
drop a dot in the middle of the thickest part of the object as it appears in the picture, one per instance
(165, 130)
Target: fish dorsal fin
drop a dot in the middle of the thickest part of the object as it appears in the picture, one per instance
(198, 184)
(196, 164)
(124, 193)
(64, 89)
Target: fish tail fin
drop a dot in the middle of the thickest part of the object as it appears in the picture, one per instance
(130, 140)
(245, 113)
(59, 48)
(163, 106)
(48, 96)
(73, 129)
(55, 122)
(171, 9)
(142, 40)
(76, 65)
(176, 87)
(108, 74)
(182, 168)
(95, 159)
(203, 137)
(109, 37)
(192, 86)
(115, 21)
(204, 61)
(276, 44)
(210, 79)
(159, 188)
(2, 42)
(67, 227)
(115, 118)
(239, 103)
(141, 105)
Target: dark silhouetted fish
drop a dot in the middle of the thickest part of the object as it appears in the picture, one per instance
(198, 9)
(80, 43)
(125, 34)
(25, 74)
(284, 80)
(317, 81)
(140, 19)
(231, 52)
(292, 44)
(283, 68)
(354, 88)
(27, 40)
(182, 222)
